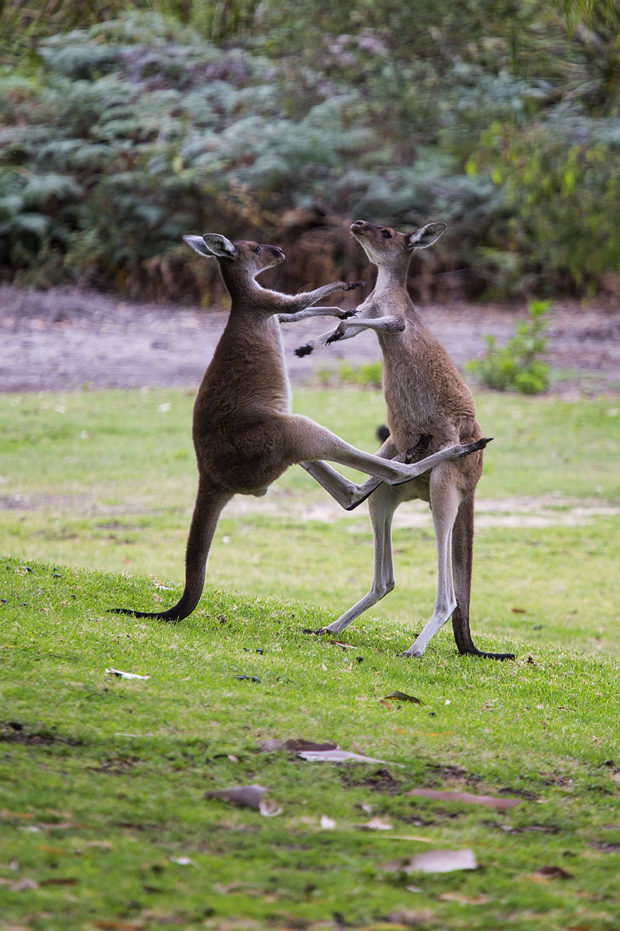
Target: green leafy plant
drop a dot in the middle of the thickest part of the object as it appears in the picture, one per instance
(519, 365)
(367, 375)
(119, 136)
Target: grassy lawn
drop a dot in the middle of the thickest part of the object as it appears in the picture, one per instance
(104, 818)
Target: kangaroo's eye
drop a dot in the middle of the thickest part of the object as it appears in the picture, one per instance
(386, 234)
(257, 250)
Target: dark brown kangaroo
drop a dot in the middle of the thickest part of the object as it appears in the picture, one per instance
(244, 434)
(429, 407)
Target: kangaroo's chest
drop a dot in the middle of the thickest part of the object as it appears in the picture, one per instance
(425, 395)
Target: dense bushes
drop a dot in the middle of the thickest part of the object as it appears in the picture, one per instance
(118, 138)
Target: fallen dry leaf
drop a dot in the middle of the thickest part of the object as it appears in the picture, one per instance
(60, 881)
(402, 696)
(441, 861)
(269, 808)
(410, 918)
(124, 675)
(376, 824)
(490, 801)
(250, 796)
(335, 756)
(313, 752)
(245, 796)
(550, 872)
(20, 885)
(296, 744)
(466, 899)
(120, 925)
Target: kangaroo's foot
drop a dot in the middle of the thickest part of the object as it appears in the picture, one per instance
(417, 652)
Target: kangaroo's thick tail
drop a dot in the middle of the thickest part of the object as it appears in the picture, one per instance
(462, 561)
(209, 505)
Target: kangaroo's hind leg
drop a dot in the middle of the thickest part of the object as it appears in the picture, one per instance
(445, 505)
(381, 507)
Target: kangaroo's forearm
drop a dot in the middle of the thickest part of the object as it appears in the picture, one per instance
(293, 303)
(388, 324)
(323, 338)
(312, 312)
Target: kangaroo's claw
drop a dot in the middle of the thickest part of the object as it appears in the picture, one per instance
(354, 285)
(303, 350)
(335, 336)
(345, 314)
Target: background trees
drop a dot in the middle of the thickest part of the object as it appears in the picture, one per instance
(502, 117)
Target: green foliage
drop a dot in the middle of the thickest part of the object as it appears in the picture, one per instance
(518, 365)
(367, 375)
(562, 196)
(118, 137)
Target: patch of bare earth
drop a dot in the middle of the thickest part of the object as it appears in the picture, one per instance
(67, 338)
(64, 338)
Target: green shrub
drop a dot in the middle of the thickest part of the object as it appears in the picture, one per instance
(518, 365)
(118, 137)
(366, 375)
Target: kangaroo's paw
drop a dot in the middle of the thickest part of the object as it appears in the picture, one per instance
(354, 285)
(469, 448)
(335, 336)
(345, 314)
(303, 350)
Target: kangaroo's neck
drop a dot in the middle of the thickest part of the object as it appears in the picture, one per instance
(393, 275)
(242, 288)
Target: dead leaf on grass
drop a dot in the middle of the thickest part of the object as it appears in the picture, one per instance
(60, 881)
(20, 885)
(296, 744)
(402, 696)
(490, 801)
(124, 675)
(376, 824)
(250, 796)
(550, 872)
(410, 918)
(120, 925)
(466, 899)
(327, 752)
(336, 756)
(441, 861)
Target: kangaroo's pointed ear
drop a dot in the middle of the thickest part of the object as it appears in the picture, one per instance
(219, 246)
(197, 244)
(425, 236)
(211, 245)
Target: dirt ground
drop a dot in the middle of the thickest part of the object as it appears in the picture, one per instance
(66, 338)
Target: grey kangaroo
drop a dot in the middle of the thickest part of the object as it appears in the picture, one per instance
(244, 434)
(429, 408)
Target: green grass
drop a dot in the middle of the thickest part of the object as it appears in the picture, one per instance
(107, 480)
(103, 780)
